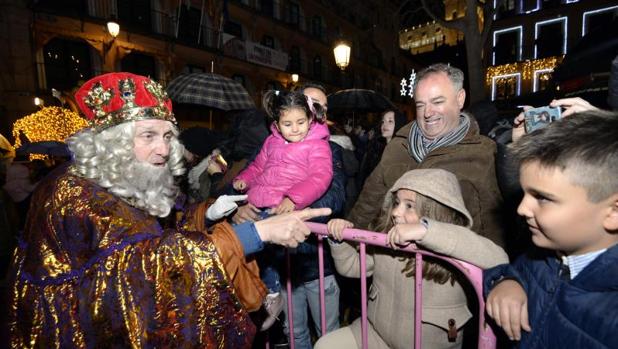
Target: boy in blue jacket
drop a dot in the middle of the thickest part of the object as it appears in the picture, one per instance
(564, 293)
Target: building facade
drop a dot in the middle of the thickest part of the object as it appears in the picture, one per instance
(530, 38)
(57, 44)
(427, 37)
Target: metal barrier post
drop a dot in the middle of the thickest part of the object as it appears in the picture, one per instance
(363, 280)
(418, 300)
(290, 310)
(321, 273)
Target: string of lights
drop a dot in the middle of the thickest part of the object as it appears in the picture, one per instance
(48, 124)
(527, 69)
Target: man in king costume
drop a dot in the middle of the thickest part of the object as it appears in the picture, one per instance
(95, 268)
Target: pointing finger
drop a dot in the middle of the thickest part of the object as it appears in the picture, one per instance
(309, 213)
(525, 324)
(237, 198)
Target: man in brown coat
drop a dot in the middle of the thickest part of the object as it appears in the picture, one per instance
(440, 137)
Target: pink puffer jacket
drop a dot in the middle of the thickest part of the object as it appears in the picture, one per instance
(301, 171)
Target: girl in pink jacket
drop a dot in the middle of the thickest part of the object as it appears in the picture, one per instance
(294, 167)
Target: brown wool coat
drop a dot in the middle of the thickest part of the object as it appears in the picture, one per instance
(473, 162)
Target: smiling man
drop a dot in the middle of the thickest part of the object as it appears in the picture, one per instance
(95, 268)
(440, 137)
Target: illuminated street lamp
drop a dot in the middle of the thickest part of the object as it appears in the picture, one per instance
(342, 54)
(113, 28)
(294, 78)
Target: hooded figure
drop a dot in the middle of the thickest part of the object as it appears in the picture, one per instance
(391, 296)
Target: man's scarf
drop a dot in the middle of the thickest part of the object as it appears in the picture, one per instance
(420, 146)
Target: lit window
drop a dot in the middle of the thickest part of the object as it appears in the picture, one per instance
(541, 79)
(545, 41)
(592, 19)
(505, 86)
(529, 6)
(507, 45)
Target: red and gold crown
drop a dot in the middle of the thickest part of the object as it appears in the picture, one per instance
(111, 99)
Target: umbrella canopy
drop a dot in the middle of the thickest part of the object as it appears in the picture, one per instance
(358, 100)
(53, 148)
(210, 90)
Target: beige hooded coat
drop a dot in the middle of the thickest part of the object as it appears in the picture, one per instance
(391, 296)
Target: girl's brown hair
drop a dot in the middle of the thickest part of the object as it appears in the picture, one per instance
(425, 207)
(275, 102)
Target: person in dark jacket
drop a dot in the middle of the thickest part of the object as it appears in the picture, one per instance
(351, 167)
(564, 293)
(390, 122)
(507, 172)
(204, 172)
(248, 132)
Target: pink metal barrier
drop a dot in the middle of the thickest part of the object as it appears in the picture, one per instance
(474, 274)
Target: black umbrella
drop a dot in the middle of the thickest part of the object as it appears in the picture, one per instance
(358, 100)
(53, 148)
(210, 90)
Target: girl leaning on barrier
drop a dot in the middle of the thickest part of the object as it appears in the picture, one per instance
(425, 207)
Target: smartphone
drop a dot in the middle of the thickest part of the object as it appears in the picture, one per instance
(537, 118)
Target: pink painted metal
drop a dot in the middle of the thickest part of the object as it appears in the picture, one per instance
(321, 274)
(363, 280)
(486, 337)
(418, 300)
(290, 310)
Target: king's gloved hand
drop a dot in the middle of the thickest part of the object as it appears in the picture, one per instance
(223, 206)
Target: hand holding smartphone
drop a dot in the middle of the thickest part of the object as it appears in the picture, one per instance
(537, 118)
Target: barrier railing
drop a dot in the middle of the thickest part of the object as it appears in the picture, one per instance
(474, 274)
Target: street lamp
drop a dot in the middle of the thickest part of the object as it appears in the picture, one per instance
(113, 28)
(342, 54)
(291, 82)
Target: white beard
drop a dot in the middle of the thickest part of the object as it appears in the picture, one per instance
(148, 187)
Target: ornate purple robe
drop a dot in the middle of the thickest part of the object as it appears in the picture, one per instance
(91, 271)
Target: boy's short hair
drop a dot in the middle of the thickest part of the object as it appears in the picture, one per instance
(584, 146)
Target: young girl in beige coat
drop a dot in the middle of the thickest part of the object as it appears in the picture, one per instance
(425, 207)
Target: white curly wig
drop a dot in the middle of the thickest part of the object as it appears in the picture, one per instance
(107, 158)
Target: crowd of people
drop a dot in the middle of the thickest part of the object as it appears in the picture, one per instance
(155, 237)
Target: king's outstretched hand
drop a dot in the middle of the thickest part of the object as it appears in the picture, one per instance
(288, 229)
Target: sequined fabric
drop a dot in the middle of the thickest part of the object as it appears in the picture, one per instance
(93, 272)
